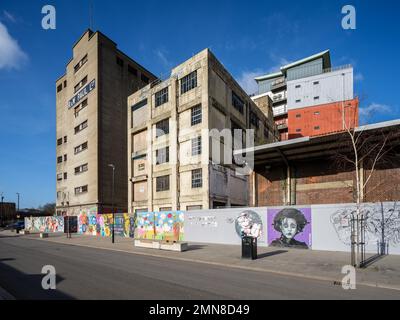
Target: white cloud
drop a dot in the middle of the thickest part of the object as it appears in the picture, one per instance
(11, 55)
(8, 16)
(373, 109)
(162, 56)
(247, 82)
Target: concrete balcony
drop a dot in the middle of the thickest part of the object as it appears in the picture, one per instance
(278, 84)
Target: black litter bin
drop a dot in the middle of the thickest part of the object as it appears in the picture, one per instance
(249, 248)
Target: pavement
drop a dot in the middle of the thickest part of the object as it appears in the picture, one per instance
(296, 274)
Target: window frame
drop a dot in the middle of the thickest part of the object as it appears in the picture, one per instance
(196, 118)
(188, 82)
(196, 146)
(161, 97)
(164, 132)
(197, 178)
(161, 185)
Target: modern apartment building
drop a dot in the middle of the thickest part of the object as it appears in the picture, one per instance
(91, 125)
(311, 82)
(170, 162)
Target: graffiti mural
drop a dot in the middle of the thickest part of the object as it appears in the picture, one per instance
(144, 225)
(169, 226)
(123, 225)
(289, 228)
(249, 224)
(382, 223)
(44, 224)
(87, 224)
(166, 226)
(104, 225)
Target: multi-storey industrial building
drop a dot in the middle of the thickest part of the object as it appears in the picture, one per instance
(171, 163)
(91, 125)
(311, 82)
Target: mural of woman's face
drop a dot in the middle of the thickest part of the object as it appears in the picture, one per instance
(289, 228)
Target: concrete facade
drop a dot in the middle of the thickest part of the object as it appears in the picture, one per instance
(184, 177)
(91, 125)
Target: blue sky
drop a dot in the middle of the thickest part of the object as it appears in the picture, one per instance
(249, 37)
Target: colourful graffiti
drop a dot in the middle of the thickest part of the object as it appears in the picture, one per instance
(144, 226)
(104, 225)
(87, 224)
(167, 226)
(123, 223)
(44, 224)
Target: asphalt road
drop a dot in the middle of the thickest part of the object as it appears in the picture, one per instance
(85, 273)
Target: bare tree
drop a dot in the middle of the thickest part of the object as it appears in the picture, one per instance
(363, 148)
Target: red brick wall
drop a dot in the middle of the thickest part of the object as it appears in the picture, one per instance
(271, 187)
(321, 183)
(320, 174)
(327, 117)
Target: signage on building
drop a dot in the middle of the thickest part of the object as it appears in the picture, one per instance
(81, 94)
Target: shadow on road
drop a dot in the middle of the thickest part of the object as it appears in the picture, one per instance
(27, 286)
(270, 254)
(195, 247)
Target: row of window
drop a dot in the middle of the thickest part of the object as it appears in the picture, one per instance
(80, 190)
(315, 99)
(315, 128)
(162, 183)
(188, 83)
(61, 158)
(77, 150)
(316, 113)
(81, 148)
(81, 63)
(81, 127)
(166, 209)
(61, 140)
(237, 102)
(298, 86)
(81, 84)
(162, 155)
(162, 127)
(132, 70)
(80, 107)
(78, 170)
(60, 176)
(60, 86)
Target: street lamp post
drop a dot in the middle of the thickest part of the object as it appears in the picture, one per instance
(112, 201)
(2, 210)
(18, 201)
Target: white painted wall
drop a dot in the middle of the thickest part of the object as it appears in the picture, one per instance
(331, 87)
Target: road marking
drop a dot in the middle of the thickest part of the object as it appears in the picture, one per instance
(220, 264)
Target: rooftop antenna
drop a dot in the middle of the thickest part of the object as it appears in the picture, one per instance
(91, 14)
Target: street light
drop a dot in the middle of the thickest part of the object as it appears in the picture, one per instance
(112, 201)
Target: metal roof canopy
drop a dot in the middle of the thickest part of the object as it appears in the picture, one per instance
(325, 55)
(310, 147)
